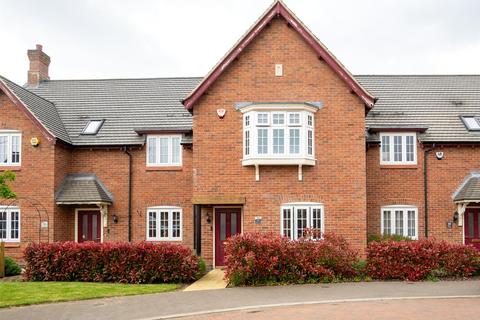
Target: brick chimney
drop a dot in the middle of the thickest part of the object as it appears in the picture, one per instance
(39, 62)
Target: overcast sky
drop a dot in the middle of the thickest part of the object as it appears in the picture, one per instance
(164, 38)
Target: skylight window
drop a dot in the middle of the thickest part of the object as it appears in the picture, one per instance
(92, 127)
(472, 123)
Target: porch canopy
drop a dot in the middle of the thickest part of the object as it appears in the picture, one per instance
(83, 189)
(467, 193)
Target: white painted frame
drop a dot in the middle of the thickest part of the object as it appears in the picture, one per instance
(101, 221)
(8, 210)
(170, 210)
(9, 134)
(213, 225)
(279, 158)
(293, 222)
(404, 208)
(404, 148)
(170, 163)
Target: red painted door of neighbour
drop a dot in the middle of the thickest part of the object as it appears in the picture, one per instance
(472, 227)
(227, 223)
(89, 225)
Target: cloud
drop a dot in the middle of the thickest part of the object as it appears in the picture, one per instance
(147, 38)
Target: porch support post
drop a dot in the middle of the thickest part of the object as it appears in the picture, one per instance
(461, 213)
(197, 229)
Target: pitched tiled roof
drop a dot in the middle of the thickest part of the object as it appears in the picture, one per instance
(124, 104)
(432, 101)
(64, 107)
(82, 188)
(43, 110)
(470, 189)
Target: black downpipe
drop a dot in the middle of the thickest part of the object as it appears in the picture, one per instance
(197, 228)
(425, 186)
(129, 194)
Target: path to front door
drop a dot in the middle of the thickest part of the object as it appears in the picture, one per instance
(227, 223)
(89, 226)
(472, 227)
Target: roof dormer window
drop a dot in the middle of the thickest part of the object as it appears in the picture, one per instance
(93, 126)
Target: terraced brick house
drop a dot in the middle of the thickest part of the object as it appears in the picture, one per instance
(279, 136)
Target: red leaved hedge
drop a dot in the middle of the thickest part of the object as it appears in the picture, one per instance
(418, 260)
(111, 262)
(260, 258)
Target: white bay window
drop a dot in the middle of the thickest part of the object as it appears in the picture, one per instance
(277, 137)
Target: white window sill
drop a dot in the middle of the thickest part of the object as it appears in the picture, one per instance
(278, 161)
(164, 239)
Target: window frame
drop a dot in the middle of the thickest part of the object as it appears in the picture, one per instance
(158, 210)
(391, 146)
(8, 229)
(294, 218)
(304, 127)
(95, 132)
(10, 134)
(170, 162)
(405, 209)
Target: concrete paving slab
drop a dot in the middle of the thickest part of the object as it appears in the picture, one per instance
(211, 281)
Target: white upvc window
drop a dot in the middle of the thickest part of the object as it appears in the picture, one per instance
(398, 148)
(10, 148)
(10, 224)
(164, 224)
(399, 220)
(164, 150)
(278, 134)
(296, 217)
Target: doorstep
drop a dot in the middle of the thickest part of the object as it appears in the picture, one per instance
(211, 281)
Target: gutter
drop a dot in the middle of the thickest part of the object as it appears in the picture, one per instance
(129, 194)
(425, 185)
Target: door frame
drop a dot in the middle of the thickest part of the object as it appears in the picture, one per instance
(464, 220)
(76, 221)
(213, 224)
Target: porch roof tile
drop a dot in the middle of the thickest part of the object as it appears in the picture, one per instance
(79, 188)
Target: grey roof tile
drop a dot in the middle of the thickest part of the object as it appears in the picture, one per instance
(124, 104)
(470, 189)
(82, 188)
(432, 101)
(44, 110)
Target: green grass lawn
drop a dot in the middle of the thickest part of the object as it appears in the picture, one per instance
(24, 293)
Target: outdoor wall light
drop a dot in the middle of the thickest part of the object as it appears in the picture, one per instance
(455, 217)
(209, 218)
(115, 218)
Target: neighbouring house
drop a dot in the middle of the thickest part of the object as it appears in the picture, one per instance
(279, 136)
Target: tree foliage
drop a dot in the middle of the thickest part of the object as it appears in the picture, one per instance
(5, 191)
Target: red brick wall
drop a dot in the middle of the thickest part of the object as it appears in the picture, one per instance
(338, 179)
(34, 179)
(387, 186)
(150, 188)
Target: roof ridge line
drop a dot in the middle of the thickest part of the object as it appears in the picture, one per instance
(109, 79)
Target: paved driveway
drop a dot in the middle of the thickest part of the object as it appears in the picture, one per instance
(420, 309)
(156, 306)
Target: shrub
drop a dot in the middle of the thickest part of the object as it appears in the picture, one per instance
(11, 267)
(263, 258)
(418, 260)
(391, 237)
(111, 262)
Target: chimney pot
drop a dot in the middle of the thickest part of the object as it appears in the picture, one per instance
(39, 62)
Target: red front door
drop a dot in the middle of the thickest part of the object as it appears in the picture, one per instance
(227, 223)
(472, 227)
(89, 225)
